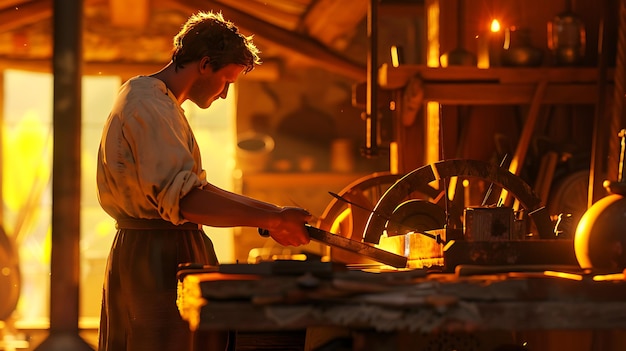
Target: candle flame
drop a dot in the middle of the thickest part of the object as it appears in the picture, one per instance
(495, 26)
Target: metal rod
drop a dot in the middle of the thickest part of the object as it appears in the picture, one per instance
(622, 156)
(491, 185)
(371, 107)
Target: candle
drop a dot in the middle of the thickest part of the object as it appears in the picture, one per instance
(496, 43)
(482, 50)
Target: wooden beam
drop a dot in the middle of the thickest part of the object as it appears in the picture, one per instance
(130, 15)
(309, 49)
(477, 93)
(401, 9)
(268, 71)
(329, 20)
(30, 12)
(279, 13)
(398, 77)
(12, 3)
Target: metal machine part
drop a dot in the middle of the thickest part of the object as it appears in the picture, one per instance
(415, 215)
(444, 173)
(599, 240)
(418, 214)
(349, 220)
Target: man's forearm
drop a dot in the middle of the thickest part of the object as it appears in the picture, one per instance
(218, 208)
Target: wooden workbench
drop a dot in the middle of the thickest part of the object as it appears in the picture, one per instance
(407, 302)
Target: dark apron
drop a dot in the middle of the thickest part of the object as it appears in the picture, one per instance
(139, 297)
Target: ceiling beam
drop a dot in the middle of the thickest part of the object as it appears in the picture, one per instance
(276, 15)
(12, 3)
(30, 12)
(130, 16)
(311, 50)
(328, 20)
(268, 71)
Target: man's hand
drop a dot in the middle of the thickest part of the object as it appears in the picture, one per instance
(290, 229)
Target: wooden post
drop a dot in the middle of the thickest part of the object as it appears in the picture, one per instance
(65, 257)
(1, 144)
(598, 169)
(618, 120)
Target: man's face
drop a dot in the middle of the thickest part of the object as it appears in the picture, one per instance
(211, 86)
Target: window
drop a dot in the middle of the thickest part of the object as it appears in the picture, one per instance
(26, 182)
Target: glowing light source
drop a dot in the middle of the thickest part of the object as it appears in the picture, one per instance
(495, 26)
(432, 35)
(608, 277)
(395, 56)
(563, 275)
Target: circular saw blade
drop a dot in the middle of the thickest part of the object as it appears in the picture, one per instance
(415, 216)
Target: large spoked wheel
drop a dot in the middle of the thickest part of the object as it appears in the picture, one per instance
(343, 218)
(441, 183)
(347, 220)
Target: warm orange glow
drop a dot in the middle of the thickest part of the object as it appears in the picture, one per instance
(294, 257)
(495, 26)
(28, 146)
(587, 227)
(26, 176)
(563, 275)
(608, 277)
(393, 158)
(466, 193)
(395, 244)
(452, 187)
(503, 197)
(335, 227)
(432, 137)
(443, 60)
(432, 34)
(395, 56)
(482, 52)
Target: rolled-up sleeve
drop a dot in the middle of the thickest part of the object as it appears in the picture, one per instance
(149, 161)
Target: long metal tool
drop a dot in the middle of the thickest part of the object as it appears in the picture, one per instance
(363, 249)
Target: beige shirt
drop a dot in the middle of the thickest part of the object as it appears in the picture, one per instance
(148, 157)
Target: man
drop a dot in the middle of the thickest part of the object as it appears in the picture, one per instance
(150, 179)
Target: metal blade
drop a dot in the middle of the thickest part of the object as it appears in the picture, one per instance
(376, 254)
(388, 219)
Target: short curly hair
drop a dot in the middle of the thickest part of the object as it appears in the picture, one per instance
(209, 34)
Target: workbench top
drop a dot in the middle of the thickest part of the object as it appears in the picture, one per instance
(296, 295)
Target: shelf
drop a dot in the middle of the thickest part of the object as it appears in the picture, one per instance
(494, 86)
(396, 77)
